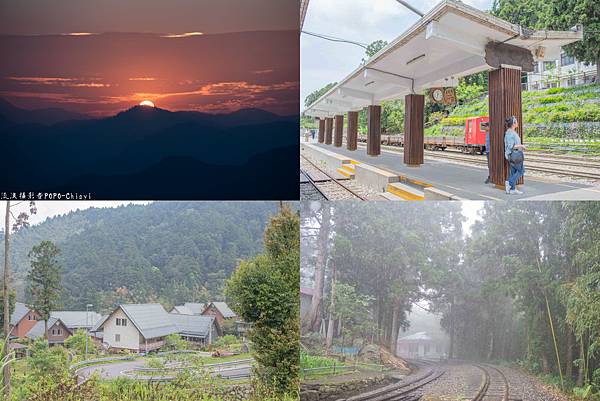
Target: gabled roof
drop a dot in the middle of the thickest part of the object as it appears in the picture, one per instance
(151, 320)
(19, 313)
(420, 336)
(38, 330)
(196, 308)
(194, 325)
(181, 310)
(99, 323)
(224, 309)
(77, 319)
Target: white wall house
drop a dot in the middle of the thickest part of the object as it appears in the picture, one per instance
(136, 327)
(143, 328)
(564, 72)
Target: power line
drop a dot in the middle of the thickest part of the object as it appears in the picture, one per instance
(335, 39)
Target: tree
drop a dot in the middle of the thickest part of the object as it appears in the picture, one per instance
(44, 280)
(76, 343)
(558, 15)
(174, 342)
(373, 48)
(264, 291)
(21, 221)
(564, 14)
(11, 300)
(315, 95)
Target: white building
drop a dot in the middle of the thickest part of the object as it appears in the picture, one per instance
(143, 327)
(564, 72)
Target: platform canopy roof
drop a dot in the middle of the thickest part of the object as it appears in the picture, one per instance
(447, 43)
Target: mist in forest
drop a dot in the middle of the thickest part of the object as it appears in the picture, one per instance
(516, 282)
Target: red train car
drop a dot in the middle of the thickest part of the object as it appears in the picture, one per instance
(475, 128)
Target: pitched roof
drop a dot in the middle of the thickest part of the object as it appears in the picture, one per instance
(152, 320)
(77, 319)
(224, 309)
(195, 308)
(19, 313)
(99, 323)
(420, 336)
(195, 325)
(182, 310)
(38, 329)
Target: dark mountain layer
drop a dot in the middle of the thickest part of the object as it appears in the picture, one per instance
(166, 251)
(144, 142)
(47, 116)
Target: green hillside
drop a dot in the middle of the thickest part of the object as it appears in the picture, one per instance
(166, 251)
(568, 117)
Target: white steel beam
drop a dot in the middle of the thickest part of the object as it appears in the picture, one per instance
(469, 43)
(381, 76)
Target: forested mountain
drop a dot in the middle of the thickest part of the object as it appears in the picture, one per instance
(168, 252)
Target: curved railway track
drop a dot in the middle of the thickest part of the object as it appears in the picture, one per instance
(494, 385)
(331, 188)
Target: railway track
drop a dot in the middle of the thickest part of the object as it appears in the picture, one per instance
(402, 391)
(540, 162)
(528, 166)
(327, 186)
(494, 386)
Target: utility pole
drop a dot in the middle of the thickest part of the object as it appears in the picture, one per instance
(87, 332)
(411, 8)
(6, 371)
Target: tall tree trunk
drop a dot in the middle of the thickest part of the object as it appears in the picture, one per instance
(490, 353)
(451, 350)
(5, 288)
(330, 326)
(395, 329)
(313, 316)
(569, 354)
(581, 370)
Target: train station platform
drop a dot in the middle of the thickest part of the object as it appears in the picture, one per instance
(463, 181)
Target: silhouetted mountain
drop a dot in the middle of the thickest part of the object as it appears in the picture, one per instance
(40, 116)
(264, 176)
(84, 155)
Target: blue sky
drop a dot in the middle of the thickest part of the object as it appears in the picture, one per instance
(364, 21)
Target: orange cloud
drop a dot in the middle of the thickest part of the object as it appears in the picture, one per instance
(182, 35)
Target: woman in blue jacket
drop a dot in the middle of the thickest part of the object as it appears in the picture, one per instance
(513, 152)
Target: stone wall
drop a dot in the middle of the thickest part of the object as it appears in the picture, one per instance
(335, 391)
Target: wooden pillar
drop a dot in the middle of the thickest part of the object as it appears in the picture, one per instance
(414, 106)
(328, 130)
(504, 101)
(374, 130)
(321, 130)
(352, 134)
(339, 131)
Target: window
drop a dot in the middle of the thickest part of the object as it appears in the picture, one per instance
(30, 317)
(566, 60)
(53, 332)
(117, 338)
(536, 67)
(58, 332)
(121, 322)
(549, 65)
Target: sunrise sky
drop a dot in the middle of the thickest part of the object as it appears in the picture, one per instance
(213, 56)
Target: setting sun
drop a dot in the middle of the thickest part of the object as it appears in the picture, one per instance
(147, 103)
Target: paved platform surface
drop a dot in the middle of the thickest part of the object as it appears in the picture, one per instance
(467, 181)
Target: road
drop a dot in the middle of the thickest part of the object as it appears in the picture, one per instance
(111, 371)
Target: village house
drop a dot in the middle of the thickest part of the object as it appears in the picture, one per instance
(77, 320)
(420, 346)
(306, 295)
(220, 311)
(22, 320)
(189, 308)
(58, 332)
(143, 328)
(200, 330)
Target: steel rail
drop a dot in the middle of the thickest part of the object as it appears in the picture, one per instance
(331, 178)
